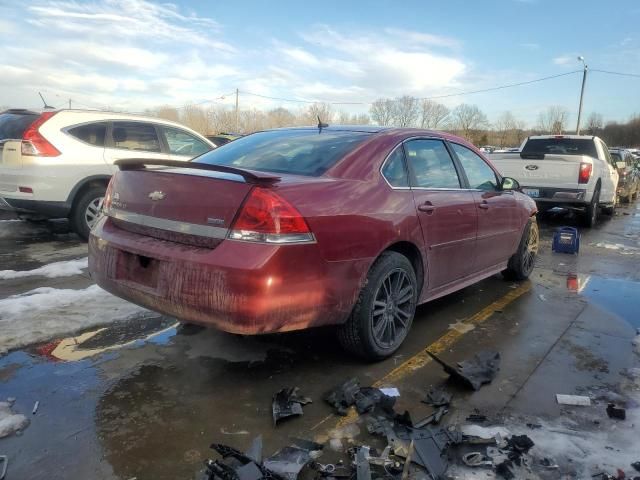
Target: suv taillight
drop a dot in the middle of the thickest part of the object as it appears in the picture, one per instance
(34, 144)
(585, 172)
(268, 218)
(108, 197)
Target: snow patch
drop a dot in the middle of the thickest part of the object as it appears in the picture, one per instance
(45, 313)
(10, 422)
(53, 270)
(623, 249)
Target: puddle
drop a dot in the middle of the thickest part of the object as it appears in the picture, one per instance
(621, 297)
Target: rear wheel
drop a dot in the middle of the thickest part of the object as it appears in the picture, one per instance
(521, 263)
(591, 213)
(87, 211)
(382, 317)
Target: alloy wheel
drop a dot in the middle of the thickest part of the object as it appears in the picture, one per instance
(531, 251)
(393, 308)
(93, 213)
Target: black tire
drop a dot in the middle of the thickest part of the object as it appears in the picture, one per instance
(393, 320)
(78, 218)
(522, 262)
(609, 211)
(591, 213)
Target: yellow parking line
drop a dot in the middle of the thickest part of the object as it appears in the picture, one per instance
(443, 343)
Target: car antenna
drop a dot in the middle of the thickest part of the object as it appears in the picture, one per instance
(321, 125)
(46, 107)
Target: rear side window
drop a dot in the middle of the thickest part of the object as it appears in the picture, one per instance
(13, 125)
(183, 143)
(394, 169)
(560, 146)
(299, 152)
(91, 133)
(135, 136)
(431, 164)
(479, 173)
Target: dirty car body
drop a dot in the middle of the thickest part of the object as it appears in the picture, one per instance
(280, 230)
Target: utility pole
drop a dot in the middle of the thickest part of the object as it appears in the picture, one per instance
(237, 118)
(584, 79)
(69, 104)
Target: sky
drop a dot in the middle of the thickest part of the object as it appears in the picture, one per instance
(137, 54)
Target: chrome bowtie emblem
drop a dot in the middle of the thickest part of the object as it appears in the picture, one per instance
(157, 195)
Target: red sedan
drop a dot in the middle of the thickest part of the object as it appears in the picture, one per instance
(296, 228)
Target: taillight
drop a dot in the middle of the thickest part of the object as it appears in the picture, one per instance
(108, 197)
(585, 172)
(267, 217)
(34, 144)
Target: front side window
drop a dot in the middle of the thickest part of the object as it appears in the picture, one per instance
(479, 173)
(135, 136)
(394, 169)
(91, 133)
(431, 164)
(183, 143)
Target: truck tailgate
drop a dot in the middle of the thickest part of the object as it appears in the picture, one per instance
(556, 171)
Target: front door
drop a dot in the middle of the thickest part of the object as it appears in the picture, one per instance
(498, 213)
(447, 213)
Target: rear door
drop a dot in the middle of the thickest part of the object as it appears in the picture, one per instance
(181, 144)
(608, 173)
(498, 212)
(446, 211)
(130, 139)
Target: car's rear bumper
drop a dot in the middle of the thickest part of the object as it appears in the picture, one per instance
(549, 197)
(238, 287)
(37, 207)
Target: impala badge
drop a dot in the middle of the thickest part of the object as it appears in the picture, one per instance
(157, 195)
(531, 167)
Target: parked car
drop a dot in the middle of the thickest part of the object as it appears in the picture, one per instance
(569, 171)
(296, 228)
(221, 138)
(57, 164)
(629, 183)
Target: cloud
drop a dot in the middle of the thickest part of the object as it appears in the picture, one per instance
(564, 60)
(421, 38)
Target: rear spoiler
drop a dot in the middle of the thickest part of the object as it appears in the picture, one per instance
(249, 176)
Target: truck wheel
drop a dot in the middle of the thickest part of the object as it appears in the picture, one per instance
(382, 316)
(522, 262)
(591, 213)
(86, 212)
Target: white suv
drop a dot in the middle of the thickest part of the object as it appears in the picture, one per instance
(57, 164)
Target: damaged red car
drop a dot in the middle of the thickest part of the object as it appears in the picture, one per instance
(296, 228)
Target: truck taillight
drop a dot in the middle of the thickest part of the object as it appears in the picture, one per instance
(33, 143)
(585, 172)
(268, 218)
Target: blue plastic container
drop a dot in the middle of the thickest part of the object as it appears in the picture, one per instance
(566, 240)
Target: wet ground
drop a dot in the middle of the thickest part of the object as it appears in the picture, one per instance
(134, 395)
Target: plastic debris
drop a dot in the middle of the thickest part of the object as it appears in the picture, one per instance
(363, 469)
(287, 403)
(343, 396)
(35, 407)
(438, 397)
(4, 463)
(576, 400)
(288, 462)
(390, 391)
(474, 373)
(476, 459)
(11, 422)
(434, 418)
(616, 412)
(636, 466)
(520, 443)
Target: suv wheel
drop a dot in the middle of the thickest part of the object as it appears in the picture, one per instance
(87, 211)
(521, 263)
(383, 314)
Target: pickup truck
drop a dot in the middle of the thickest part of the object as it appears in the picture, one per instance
(569, 171)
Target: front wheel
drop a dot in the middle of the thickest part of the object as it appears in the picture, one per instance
(87, 211)
(521, 263)
(382, 316)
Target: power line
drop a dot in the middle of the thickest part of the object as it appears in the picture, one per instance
(635, 75)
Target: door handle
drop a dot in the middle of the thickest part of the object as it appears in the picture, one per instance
(426, 207)
(484, 205)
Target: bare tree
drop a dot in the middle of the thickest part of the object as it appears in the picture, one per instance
(382, 111)
(405, 111)
(168, 113)
(553, 120)
(504, 127)
(280, 117)
(324, 111)
(467, 120)
(195, 118)
(594, 123)
(433, 114)
(360, 119)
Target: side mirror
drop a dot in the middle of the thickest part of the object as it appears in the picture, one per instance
(509, 183)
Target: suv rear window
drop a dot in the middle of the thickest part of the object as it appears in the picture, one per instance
(299, 152)
(13, 125)
(91, 133)
(560, 146)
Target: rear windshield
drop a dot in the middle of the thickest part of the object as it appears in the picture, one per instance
(13, 125)
(560, 146)
(299, 152)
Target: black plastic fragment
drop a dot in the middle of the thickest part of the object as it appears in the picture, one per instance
(363, 469)
(438, 397)
(616, 412)
(636, 466)
(287, 462)
(250, 471)
(430, 447)
(474, 373)
(308, 445)
(287, 403)
(520, 443)
(434, 418)
(343, 396)
(255, 450)
(477, 417)
(368, 398)
(504, 470)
